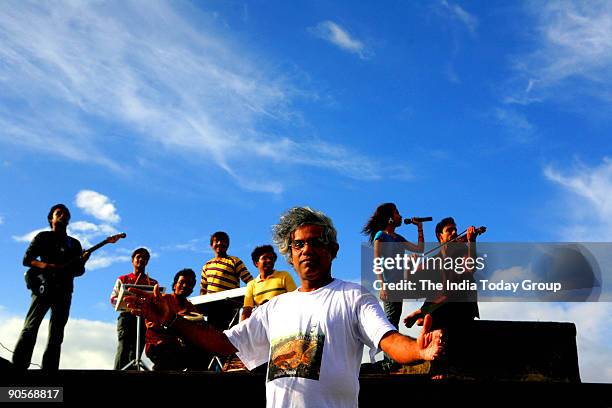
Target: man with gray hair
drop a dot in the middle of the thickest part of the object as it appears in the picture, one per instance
(312, 338)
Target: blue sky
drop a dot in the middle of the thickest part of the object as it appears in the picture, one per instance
(171, 120)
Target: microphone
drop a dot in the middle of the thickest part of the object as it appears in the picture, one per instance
(417, 219)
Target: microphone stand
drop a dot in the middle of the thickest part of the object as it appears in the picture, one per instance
(137, 361)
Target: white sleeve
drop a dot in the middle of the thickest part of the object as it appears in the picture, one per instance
(372, 323)
(250, 337)
(115, 292)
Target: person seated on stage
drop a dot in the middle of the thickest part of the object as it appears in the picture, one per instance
(313, 338)
(268, 284)
(163, 347)
(223, 272)
(450, 307)
(126, 322)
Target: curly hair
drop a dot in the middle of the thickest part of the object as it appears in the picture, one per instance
(187, 273)
(260, 250)
(296, 217)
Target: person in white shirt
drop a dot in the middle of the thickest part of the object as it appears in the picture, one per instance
(312, 338)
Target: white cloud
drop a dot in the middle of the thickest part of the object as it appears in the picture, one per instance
(98, 205)
(571, 56)
(99, 261)
(90, 234)
(340, 37)
(163, 80)
(29, 236)
(87, 344)
(512, 274)
(195, 245)
(458, 13)
(589, 200)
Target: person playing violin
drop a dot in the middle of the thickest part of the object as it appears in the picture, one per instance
(451, 307)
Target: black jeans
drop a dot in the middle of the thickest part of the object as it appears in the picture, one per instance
(60, 309)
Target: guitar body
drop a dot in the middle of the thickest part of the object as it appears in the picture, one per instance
(42, 283)
(36, 280)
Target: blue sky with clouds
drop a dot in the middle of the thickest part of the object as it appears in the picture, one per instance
(171, 120)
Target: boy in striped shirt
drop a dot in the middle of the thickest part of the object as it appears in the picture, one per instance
(223, 272)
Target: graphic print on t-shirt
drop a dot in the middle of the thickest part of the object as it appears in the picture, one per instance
(297, 355)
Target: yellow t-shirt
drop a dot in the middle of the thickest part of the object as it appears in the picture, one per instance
(260, 291)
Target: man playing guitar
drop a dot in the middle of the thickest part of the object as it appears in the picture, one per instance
(55, 259)
(59, 258)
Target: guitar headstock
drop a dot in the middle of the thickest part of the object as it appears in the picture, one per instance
(114, 238)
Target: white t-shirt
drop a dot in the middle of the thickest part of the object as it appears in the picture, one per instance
(313, 342)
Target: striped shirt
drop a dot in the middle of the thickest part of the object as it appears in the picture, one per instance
(260, 291)
(221, 274)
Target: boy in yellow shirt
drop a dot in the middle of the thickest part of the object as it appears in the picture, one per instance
(268, 284)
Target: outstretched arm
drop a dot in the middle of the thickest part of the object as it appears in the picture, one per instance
(158, 308)
(404, 349)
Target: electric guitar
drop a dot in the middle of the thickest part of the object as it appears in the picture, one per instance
(40, 281)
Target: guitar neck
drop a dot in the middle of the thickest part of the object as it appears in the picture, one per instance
(108, 240)
(96, 247)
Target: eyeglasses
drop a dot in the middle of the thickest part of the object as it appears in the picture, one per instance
(317, 242)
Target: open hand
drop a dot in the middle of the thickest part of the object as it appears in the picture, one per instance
(429, 342)
(152, 306)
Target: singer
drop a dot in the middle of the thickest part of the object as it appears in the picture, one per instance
(387, 243)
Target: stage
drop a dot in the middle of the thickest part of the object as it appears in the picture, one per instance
(200, 388)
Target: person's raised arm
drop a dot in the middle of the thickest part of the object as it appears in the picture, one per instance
(471, 245)
(420, 247)
(158, 308)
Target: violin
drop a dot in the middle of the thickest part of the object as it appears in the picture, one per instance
(463, 238)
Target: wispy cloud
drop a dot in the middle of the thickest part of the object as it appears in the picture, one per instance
(1, 220)
(571, 55)
(195, 245)
(516, 124)
(456, 12)
(340, 37)
(589, 197)
(159, 79)
(98, 205)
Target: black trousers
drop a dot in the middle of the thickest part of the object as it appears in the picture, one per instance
(59, 304)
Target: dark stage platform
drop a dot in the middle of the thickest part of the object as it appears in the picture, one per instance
(198, 388)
